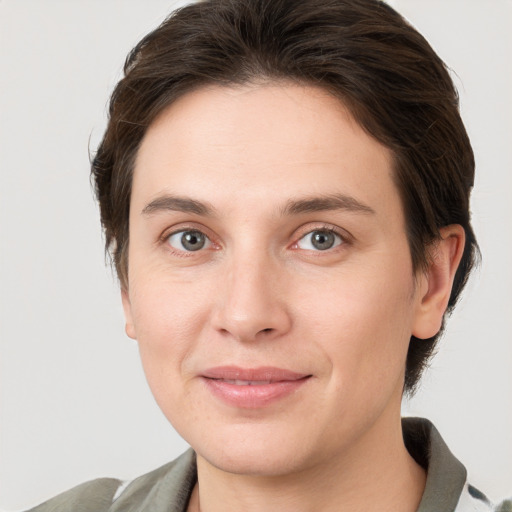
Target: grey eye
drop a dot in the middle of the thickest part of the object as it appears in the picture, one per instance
(319, 240)
(190, 240)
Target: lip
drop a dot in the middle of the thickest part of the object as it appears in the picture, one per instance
(252, 388)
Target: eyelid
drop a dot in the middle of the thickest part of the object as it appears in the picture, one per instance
(300, 233)
(163, 239)
(207, 241)
(309, 228)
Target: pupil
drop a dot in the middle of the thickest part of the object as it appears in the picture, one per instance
(193, 240)
(323, 240)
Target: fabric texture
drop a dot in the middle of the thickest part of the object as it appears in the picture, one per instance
(168, 488)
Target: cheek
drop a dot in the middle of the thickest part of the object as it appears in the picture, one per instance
(164, 309)
(363, 325)
(168, 319)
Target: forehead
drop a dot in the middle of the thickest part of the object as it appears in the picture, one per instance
(225, 145)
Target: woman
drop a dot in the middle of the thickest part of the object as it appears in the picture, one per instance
(285, 190)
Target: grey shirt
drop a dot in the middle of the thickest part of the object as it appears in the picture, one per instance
(168, 488)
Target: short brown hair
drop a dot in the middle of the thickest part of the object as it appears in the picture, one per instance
(362, 51)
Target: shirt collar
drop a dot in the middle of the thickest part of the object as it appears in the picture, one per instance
(446, 476)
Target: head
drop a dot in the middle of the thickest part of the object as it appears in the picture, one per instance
(360, 52)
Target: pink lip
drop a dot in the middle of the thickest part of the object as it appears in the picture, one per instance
(252, 388)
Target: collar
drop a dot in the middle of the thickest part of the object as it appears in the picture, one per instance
(446, 476)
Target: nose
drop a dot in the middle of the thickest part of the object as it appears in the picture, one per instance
(252, 300)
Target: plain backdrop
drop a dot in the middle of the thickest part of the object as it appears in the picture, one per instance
(74, 402)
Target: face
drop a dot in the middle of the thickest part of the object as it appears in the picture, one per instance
(270, 284)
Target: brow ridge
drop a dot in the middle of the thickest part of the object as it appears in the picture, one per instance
(292, 207)
(177, 203)
(324, 203)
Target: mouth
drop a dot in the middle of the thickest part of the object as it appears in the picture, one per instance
(252, 388)
(238, 382)
(247, 376)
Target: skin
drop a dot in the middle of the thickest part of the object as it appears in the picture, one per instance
(260, 294)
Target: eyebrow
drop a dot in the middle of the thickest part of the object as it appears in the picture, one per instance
(178, 204)
(325, 203)
(292, 207)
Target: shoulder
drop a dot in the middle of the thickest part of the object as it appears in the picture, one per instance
(165, 487)
(93, 496)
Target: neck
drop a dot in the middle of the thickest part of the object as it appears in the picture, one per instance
(376, 472)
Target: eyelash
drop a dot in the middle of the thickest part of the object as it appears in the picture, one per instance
(164, 240)
(342, 237)
(324, 228)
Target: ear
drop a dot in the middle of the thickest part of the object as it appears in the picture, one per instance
(435, 284)
(127, 307)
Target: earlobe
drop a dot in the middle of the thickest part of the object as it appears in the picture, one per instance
(435, 284)
(127, 307)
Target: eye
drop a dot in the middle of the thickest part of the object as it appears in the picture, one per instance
(320, 240)
(189, 240)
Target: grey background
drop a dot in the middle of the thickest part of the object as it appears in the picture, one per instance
(74, 402)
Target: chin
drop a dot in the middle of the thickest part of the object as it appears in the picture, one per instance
(252, 451)
(253, 462)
